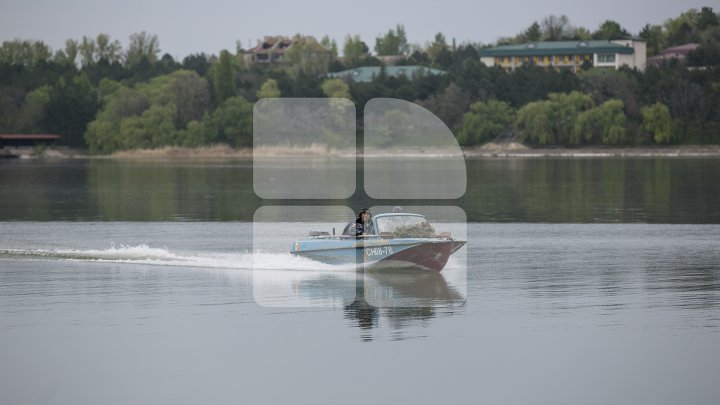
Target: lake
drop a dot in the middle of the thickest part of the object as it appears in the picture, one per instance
(584, 281)
(559, 190)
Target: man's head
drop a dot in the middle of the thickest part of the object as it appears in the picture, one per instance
(365, 214)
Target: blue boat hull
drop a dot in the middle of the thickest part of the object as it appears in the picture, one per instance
(423, 253)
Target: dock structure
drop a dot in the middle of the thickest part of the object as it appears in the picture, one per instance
(16, 145)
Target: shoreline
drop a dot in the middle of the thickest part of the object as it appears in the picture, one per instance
(688, 151)
(487, 151)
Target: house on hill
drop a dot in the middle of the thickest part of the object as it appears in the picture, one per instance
(679, 53)
(569, 54)
(274, 50)
(270, 50)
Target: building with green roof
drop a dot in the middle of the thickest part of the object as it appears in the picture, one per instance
(569, 54)
(365, 74)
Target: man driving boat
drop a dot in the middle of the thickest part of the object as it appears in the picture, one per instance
(363, 225)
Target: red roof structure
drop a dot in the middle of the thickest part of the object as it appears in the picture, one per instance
(679, 52)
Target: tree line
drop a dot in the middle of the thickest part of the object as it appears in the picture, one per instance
(103, 97)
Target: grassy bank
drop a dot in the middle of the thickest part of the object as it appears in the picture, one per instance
(489, 150)
(514, 149)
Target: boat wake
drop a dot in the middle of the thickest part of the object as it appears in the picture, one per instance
(146, 255)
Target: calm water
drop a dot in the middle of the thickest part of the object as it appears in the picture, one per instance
(499, 190)
(585, 282)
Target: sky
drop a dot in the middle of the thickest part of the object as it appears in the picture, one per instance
(186, 27)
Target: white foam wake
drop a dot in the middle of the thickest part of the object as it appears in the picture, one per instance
(144, 254)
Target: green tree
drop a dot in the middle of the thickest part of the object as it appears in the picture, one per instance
(30, 116)
(654, 36)
(552, 121)
(565, 109)
(656, 120)
(707, 19)
(199, 62)
(107, 50)
(394, 42)
(449, 105)
(125, 102)
(610, 30)
(231, 123)
(533, 33)
(708, 53)
(166, 64)
(88, 51)
(193, 135)
(308, 57)
(72, 104)
(681, 90)
(106, 88)
(269, 89)
(437, 47)
(354, 50)
(142, 47)
(69, 55)
(189, 95)
(555, 28)
(604, 123)
(152, 129)
(103, 136)
(605, 84)
(528, 83)
(485, 120)
(534, 123)
(581, 34)
(336, 88)
(149, 115)
(224, 79)
(682, 29)
(100, 48)
(24, 53)
(331, 45)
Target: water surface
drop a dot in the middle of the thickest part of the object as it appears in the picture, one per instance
(585, 282)
(558, 190)
(129, 312)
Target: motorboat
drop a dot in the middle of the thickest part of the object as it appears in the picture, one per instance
(403, 241)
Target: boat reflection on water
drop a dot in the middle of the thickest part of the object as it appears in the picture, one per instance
(402, 297)
(407, 288)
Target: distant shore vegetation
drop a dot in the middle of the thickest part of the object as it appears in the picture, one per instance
(106, 98)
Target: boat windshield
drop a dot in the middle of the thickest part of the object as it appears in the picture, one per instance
(391, 223)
